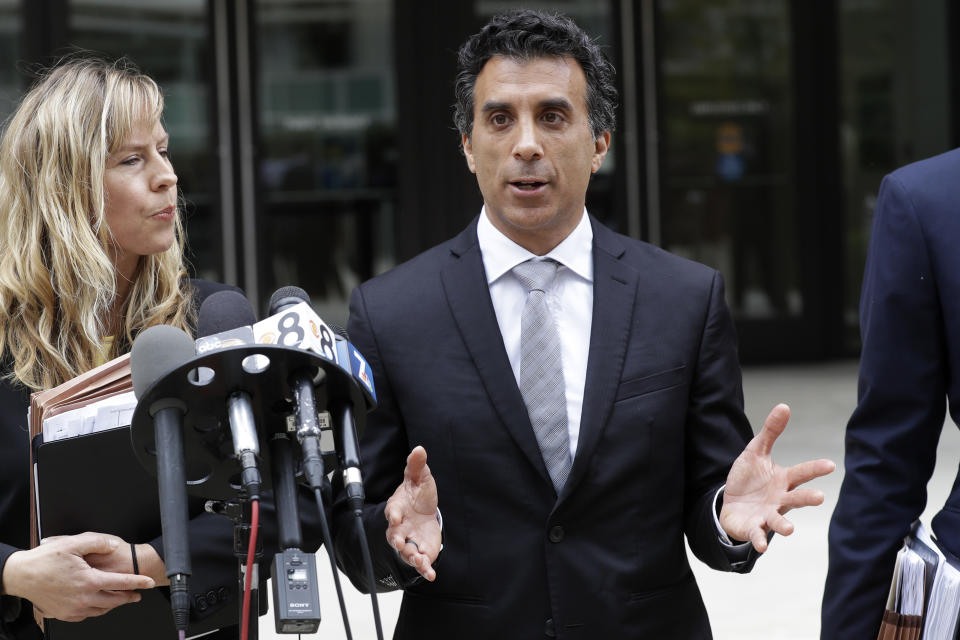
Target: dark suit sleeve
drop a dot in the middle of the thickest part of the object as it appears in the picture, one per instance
(717, 431)
(891, 439)
(384, 449)
(9, 605)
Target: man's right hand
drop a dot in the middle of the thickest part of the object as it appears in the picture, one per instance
(412, 526)
(60, 584)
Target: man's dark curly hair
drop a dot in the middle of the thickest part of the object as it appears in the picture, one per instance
(525, 35)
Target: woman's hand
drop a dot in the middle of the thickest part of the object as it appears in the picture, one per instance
(120, 560)
(61, 584)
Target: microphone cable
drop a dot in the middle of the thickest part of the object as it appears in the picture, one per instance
(251, 553)
(368, 566)
(328, 543)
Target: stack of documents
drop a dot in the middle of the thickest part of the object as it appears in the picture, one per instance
(97, 400)
(924, 592)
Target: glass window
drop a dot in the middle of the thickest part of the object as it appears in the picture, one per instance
(10, 77)
(168, 40)
(728, 179)
(894, 110)
(328, 154)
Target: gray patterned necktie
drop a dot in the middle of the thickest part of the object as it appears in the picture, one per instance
(541, 370)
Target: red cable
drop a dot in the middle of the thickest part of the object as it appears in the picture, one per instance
(251, 552)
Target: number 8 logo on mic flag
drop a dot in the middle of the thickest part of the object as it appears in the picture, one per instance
(297, 326)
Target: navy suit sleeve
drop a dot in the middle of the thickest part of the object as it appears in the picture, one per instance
(717, 431)
(383, 450)
(892, 437)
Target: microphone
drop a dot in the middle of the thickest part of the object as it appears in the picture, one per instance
(225, 320)
(156, 351)
(349, 450)
(291, 313)
(297, 319)
(292, 322)
(345, 433)
(352, 361)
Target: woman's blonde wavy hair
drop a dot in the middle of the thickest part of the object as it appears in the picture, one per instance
(57, 280)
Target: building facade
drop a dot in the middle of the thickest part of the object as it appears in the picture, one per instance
(315, 145)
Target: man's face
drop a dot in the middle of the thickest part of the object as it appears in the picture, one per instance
(532, 147)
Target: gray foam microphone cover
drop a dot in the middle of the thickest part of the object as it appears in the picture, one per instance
(285, 296)
(156, 351)
(224, 311)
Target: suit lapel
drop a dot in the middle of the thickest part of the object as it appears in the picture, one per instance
(614, 295)
(465, 286)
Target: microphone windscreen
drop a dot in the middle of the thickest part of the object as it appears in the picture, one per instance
(340, 331)
(285, 296)
(224, 311)
(156, 351)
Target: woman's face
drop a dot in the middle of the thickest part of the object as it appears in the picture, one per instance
(140, 192)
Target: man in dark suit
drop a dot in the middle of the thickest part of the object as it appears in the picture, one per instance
(909, 321)
(563, 519)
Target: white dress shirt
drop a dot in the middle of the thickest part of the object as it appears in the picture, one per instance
(570, 299)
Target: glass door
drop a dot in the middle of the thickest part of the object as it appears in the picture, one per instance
(327, 161)
(727, 156)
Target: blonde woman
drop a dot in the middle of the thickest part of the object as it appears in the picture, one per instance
(91, 253)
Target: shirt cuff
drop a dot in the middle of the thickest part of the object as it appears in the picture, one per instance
(724, 538)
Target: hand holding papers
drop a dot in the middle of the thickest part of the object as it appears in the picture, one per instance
(924, 592)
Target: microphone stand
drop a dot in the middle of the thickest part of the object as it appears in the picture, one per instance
(239, 512)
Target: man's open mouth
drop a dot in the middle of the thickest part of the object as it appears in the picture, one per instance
(528, 185)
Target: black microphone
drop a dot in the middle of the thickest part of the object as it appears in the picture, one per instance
(229, 314)
(347, 440)
(305, 407)
(348, 450)
(225, 320)
(156, 351)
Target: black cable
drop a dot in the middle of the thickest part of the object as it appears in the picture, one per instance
(328, 543)
(368, 565)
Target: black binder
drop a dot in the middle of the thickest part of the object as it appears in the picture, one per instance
(94, 482)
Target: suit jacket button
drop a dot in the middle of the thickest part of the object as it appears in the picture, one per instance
(211, 597)
(201, 603)
(548, 629)
(557, 533)
(222, 594)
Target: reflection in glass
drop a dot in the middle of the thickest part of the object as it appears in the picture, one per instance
(327, 145)
(727, 148)
(10, 82)
(168, 40)
(894, 110)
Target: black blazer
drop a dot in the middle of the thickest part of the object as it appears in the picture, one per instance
(662, 422)
(910, 327)
(213, 584)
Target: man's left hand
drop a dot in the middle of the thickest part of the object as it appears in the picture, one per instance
(412, 525)
(759, 491)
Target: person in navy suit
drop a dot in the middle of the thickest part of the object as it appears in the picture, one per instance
(909, 315)
(652, 395)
